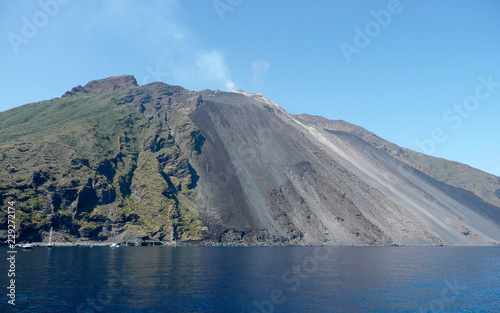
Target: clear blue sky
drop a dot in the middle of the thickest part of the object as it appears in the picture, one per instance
(414, 70)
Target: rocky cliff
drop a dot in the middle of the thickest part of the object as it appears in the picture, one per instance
(158, 162)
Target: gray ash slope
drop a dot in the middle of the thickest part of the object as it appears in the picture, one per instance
(264, 176)
(264, 172)
(305, 183)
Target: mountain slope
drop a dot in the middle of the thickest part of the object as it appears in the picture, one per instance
(459, 175)
(88, 166)
(158, 162)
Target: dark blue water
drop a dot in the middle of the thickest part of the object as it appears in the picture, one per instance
(260, 279)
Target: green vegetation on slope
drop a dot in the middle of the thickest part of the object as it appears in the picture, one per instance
(93, 167)
(455, 174)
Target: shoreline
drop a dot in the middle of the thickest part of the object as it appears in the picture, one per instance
(214, 244)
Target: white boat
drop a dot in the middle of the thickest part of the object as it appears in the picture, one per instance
(114, 245)
(27, 246)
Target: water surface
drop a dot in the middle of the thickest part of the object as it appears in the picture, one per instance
(255, 279)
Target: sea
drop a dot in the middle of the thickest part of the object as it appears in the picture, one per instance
(251, 279)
